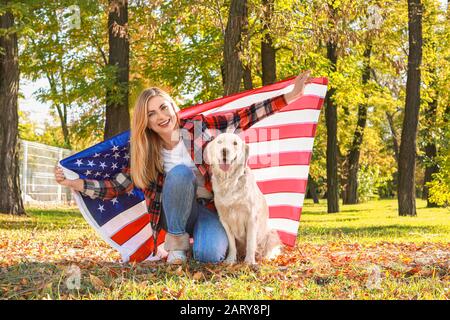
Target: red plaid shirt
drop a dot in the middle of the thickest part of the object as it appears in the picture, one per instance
(196, 131)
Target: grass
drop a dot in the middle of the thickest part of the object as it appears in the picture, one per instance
(364, 252)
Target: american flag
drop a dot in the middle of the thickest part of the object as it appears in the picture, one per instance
(280, 152)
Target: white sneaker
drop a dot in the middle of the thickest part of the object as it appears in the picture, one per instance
(176, 257)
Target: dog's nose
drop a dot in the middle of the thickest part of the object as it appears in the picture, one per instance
(224, 153)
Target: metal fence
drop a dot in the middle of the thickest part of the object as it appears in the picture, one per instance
(37, 162)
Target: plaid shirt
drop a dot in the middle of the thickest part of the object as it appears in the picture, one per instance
(196, 132)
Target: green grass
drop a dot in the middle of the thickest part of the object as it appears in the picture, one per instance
(364, 252)
(372, 222)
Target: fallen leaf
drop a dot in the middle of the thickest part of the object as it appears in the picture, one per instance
(179, 271)
(198, 275)
(97, 282)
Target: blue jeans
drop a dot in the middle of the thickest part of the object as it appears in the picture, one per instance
(183, 213)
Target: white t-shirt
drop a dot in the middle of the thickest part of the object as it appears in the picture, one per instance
(180, 155)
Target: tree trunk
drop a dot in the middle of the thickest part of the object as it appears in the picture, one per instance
(407, 156)
(431, 166)
(10, 196)
(117, 118)
(351, 192)
(312, 188)
(233, 70)
(247, 77)
(269, 73)
(332, 147)
(395, 147)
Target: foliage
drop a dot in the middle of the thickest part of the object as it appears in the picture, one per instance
(172, 47)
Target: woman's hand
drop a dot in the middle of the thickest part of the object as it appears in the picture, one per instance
(299, 86)
(77, 184)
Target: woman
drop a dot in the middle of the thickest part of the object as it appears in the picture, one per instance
(167, 164)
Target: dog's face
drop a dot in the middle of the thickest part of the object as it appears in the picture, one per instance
(226, 153)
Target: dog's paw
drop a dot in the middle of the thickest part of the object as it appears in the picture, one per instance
(250, 260)
(230, 260)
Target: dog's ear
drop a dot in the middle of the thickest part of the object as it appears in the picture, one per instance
(246, 153)
(206, 153)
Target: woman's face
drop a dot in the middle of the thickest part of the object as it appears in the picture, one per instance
(162, 117)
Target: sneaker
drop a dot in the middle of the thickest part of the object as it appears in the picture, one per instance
(176, 257)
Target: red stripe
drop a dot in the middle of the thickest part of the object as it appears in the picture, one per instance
(282, 185)
(285, 131)
(146, 249)
(305, 102)
(129, 231)
(286, 158)
(285, 212)
(287, 238)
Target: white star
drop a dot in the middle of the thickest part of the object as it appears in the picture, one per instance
(103, 165)
(106, 175)
(115, 148)
(126, 156)
(96, 155)
(116, 155)
(79, 162)
(106, 155)
(101, 208)
(114, 201)
(88, 172)
(97, 174)
(114, 166)
(130, 193)
(91, 163)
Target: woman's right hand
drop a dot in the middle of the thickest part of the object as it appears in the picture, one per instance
(60, 178)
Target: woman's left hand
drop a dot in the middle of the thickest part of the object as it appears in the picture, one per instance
(299, 86)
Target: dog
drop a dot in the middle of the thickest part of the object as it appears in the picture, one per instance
(241, 206)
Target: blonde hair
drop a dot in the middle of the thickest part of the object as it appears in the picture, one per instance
(145, 144)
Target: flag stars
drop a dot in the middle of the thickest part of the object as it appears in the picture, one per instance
(130, 193)
(91, 163)
(126, 156)
(101, 208)
(116, 155)
(114, 166)
(106, 175)
(79, 162)
(115, 148)
(96, 155)
(114, 201)
(97, 174)
(103, 165)
(88, 172)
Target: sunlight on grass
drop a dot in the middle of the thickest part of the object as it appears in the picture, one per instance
(372, 222)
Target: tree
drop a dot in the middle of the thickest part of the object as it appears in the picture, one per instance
(268, 52)
(71, 57)
(10, 196)
(351, 192)
(407, 155)
(117, 115)
(233, 70)
(332, 143)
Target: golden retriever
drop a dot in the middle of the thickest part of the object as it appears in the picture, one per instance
(241, 206)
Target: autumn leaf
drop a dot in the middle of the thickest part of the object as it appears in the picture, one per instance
(198, 275)
(97, 282)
